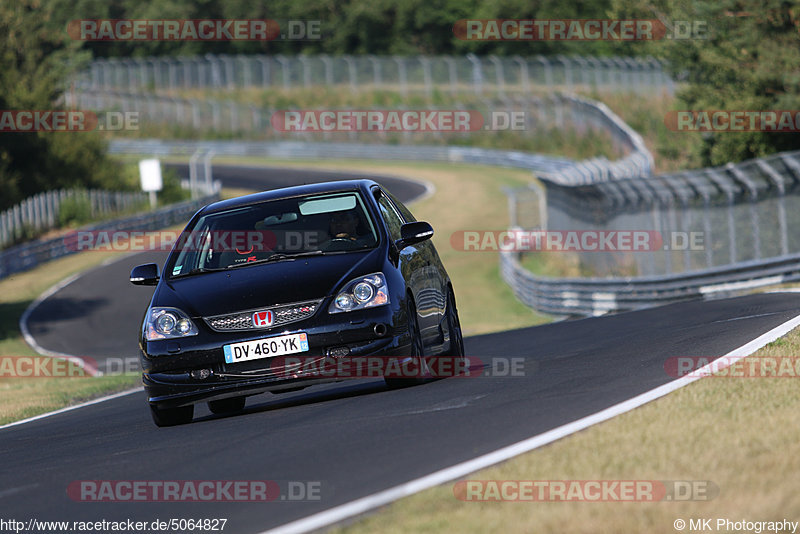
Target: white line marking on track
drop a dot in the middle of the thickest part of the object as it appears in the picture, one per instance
(70, 408)
(23, 320)
(30, 340)
(12, 491)
(745, 317)
(382, 498)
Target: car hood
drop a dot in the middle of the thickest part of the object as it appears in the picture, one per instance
(283, 282)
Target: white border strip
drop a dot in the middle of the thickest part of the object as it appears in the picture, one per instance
(23, 320)
(70, 408)
(381, 498)
(30, 340)
(745, 284)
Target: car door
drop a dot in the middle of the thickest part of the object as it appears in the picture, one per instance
(435, 274)
(416, 264)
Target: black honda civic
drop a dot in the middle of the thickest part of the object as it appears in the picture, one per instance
(276, 291)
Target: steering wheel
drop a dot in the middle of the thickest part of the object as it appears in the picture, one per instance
(341, 243)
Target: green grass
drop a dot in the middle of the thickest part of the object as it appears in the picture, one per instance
(26, 397)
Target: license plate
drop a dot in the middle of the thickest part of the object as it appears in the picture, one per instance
(265, 348)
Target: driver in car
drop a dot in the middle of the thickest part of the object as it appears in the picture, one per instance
(343, 230)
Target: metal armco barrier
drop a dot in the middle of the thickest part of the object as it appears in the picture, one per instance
(29, 255)
(560, 111)
(597, 296)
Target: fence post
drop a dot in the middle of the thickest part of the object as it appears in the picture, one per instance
(377, 75)
(401, 70)
(477, 74)
(285, 74)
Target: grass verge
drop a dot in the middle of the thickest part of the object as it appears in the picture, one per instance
(23, 397)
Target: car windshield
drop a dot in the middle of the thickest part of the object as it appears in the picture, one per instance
(274, 231)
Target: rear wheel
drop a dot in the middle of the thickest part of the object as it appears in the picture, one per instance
(172, 416)
(420, 365)
(231, 405)
(454, 327)
(456, 348)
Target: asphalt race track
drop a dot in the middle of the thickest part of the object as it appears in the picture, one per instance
(351, 438)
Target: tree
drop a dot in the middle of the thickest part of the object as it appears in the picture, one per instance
(750, 60)
(36, 58)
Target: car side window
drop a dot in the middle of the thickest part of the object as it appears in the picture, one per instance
(407, 216)
(390, 215)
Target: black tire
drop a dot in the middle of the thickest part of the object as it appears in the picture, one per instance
(417, 350)
(230, 405)
(456, 347)
(172, 416)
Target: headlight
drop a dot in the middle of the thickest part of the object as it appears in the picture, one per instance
(363, 292)
(168, 323)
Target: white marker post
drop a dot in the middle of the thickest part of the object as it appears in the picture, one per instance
(150, 175)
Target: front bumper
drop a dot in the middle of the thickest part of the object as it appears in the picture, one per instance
(168, 364)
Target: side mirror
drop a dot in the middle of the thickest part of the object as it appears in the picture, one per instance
(413, 233)
(145, 275)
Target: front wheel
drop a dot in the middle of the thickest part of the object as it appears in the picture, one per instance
(420, 367)
(172, 416)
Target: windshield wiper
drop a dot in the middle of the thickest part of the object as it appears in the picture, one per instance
(198, 270)
(278, 256)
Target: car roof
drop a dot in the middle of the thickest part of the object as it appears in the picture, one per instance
(288, 192)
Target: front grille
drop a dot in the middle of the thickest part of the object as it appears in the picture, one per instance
(282, 314)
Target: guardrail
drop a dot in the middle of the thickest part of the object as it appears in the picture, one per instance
(741, 216)
(597, 296)
(731, 214)
(404, 74)
(29, 255)
(41, 212)
(559, 111)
